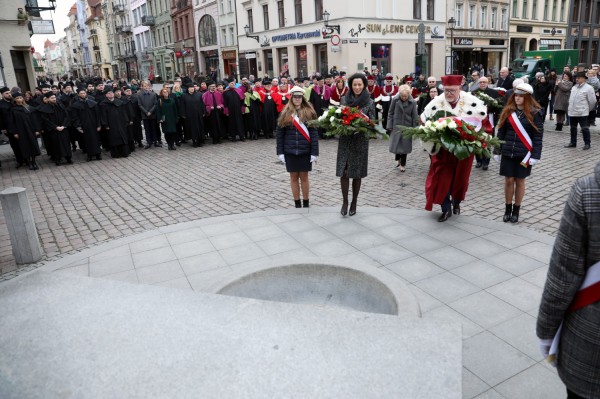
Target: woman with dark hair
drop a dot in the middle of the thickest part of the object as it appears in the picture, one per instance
(541, 93)
(552, 78)
(353, 151)
(521, 126)
(561, 99)
(167, 116)
(297, 145)
(23, 127)
(425, 99)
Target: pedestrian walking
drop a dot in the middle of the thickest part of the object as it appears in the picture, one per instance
(353, 151)
(569, 313)
(298, 145)
(521, 126)
(402, 113)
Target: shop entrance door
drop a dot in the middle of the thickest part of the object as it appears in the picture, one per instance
(380, 58)
(322, 63)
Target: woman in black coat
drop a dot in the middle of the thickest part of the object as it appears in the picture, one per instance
(517, 157)
(297, 145)
(353, 151)
(541, 93)
(24, 129)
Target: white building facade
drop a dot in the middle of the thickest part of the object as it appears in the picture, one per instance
(142, 39)
(291, 36)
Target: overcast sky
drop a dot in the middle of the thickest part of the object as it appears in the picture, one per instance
(61, 21)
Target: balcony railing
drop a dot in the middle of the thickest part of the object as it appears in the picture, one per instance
(148, 20)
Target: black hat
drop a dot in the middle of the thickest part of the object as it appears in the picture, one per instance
(17, 94)
(126, 87)
(580, 75)
(44, 86)
(319, 77)
(49, 94)
(4, 90)
(209, 82)
(328, 76)
(67, 84)
(266, 81)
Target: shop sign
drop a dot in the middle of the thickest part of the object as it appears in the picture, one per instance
(211, 53)
(42, 26)
(250, 56)
(386, 29)
(228, 54)
(463, 41)
(353, 41)
(295, 36)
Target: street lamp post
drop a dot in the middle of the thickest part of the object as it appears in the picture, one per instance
(334, 28)
(451, 26)
(247, 30)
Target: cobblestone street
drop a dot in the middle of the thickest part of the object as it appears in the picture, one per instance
(89, 203)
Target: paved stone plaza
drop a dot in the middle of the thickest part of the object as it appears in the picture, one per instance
(149, 219)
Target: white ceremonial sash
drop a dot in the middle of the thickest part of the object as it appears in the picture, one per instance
(513, 119)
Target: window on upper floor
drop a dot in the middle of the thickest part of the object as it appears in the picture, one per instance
(563, 8)
(250, 20)
(472, 16)
(230, 5)
(504, 19)
(545, 10)
(280, 14)
(459, 15)
(524, 13)
(430, 10)
(416, 9)
(266, 16)
(224, 37)
(483, 18)
(298, 11)
(554, 10)
(207, 31)
(533, 9)
(493, 18)
(587, 12)
(576, 6)
(231, 36)
(515, 5)
(318, 10)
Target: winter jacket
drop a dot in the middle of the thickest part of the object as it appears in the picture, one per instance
(513, 147)
(291, 142)
(147, 103)
(401, 113)
(582, 100)
(594, 82)
(576, 249)
(563, 92)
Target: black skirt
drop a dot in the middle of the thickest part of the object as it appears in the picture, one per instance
(298, 163)
(511, 167)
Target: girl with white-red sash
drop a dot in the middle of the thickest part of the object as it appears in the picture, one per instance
(521, 126)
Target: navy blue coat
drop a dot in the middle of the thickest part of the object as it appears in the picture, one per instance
(291, 142)
(514, 148)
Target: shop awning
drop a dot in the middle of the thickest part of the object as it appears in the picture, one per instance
(550, 42)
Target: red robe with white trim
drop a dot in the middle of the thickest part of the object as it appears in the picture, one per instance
(336, 96)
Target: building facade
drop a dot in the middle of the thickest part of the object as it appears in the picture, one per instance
(84, 33)
(537, 25)
(184, 37)
(142, 40)
(583, 30)
(120, 39)
(229, 65)
(291, 36)
(480, 36)
(15, 46)
(208, 41)
(74, 52)
(159, 21)
(98, 40)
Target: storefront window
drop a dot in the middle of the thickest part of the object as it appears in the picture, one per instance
(282, 57)
(380, 58)
(268, 54)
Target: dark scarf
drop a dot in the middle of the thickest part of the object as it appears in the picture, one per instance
(361, 101)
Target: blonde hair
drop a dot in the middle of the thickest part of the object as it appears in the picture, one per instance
(176, 88)
(404, 89)
(305, 113)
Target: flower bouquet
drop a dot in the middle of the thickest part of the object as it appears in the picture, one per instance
(347, 121)
(493, 105)
(459, 136)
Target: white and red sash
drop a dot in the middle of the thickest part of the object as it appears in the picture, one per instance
(588, 293)
(513, 119)
(301, 128)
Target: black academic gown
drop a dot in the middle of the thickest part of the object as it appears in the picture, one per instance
(58, 142)
(115, 120)
(268, 115)
(5, 118)
(85, 117)
(23, 124)
(235, 121)
(131, 113)
(192, 110)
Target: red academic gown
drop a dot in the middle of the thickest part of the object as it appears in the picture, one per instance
(447, 174)
(336, 96)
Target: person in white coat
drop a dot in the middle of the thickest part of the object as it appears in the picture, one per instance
(581, 102)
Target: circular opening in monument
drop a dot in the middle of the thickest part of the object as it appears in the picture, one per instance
(323, 285)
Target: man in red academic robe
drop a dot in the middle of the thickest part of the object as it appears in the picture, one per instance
(448, 178)
(374, 92)
(388, 91)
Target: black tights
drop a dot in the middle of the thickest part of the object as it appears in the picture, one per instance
(401, 158)
(345, 182)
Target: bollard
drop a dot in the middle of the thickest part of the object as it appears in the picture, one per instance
(21, 227)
